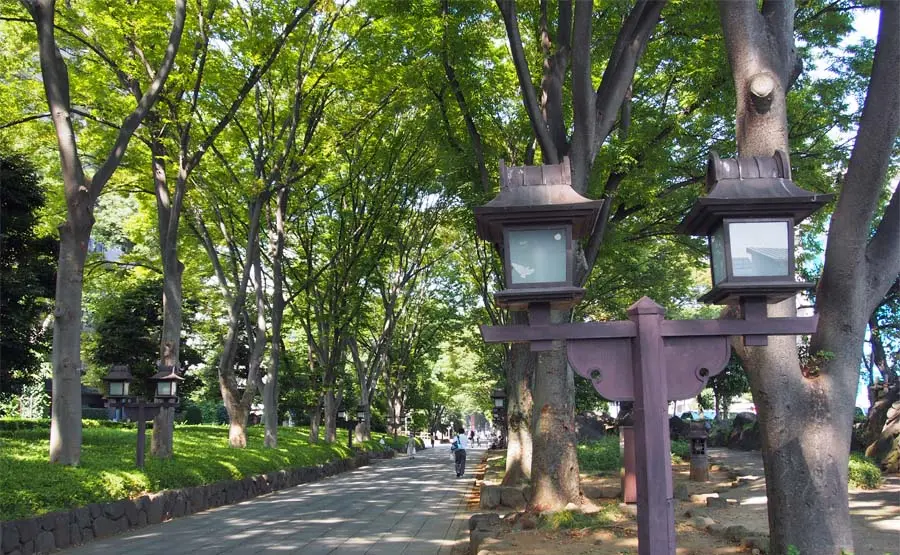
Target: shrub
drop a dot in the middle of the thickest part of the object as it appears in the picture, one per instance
(221, 415)
(600, 456)
(193, 415)
(681, 450)
(13, 424)
(94, 414)
(864, 473)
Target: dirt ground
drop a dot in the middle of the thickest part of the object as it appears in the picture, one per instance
(738, 480)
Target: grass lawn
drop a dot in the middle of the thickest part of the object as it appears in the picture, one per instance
(31, 485)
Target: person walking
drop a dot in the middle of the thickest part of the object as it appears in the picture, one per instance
(459, 452)
(411, 446)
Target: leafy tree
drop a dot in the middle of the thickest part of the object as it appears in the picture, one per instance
(728, 384)
(81, 192)
(806, 417)
(125, 324)
(27, 271)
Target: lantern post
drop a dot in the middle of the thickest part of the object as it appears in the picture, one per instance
(498, 412)
(118, 381)
(748, 214)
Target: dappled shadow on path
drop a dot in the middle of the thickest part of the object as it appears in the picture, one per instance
(396, 506)
(875, 514)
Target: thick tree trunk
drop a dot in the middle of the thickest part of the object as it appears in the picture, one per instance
(521, 363)
(65, 408)
(805, 418)
(554, 462)
(163, 430)
(237, 425)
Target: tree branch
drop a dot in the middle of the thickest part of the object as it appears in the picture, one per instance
(630, 45)
(863, 183)
(130, 124)
(529, 98)
(883, 254)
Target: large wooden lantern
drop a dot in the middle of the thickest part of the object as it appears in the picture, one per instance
(533, 222)
(166, 384)
(118, 381)
(749, 214)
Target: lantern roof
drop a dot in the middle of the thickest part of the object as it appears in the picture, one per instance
(167, 374)
(119, 373)
(752, 187)
(536, 195)
(498, 394)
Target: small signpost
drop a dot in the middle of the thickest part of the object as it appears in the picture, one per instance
(748, 214)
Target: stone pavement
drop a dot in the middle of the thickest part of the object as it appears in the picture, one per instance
(395, 506)
(874, 514)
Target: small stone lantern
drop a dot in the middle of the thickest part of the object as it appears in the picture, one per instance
(166, 384)
(749, 214)
(118, 381)
(699, 462)
(499, 397)
(534, 222)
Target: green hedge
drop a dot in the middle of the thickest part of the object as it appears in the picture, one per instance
(864, 473)
(603, 455)
(31, 485)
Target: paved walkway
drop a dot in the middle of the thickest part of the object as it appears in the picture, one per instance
(875, 514)
(395, 506)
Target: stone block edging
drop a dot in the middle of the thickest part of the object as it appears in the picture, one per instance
(61, 529)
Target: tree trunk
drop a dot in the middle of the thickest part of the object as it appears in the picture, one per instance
(270, 390)
(65, 407)
(521, 364)
(883, 424)
(270, 407)
(330, 417)
(805, 418)
(163, 430)
(314, 425)
(237, 425)
(554, 463)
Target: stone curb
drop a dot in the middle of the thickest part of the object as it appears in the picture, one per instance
(46, 533)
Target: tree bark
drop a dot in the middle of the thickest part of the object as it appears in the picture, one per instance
(270, 388)
(520, 364)
(237, 425)
(554, 463)
(805, 420)
(163, 430)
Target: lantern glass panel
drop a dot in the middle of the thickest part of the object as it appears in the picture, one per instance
(498, 402)
(717, 250)
(342, 414)
(759, 248)
(165, 389)
(118, 389)
(538, 255)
